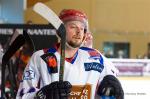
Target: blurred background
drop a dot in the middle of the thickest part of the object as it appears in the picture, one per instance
(120, 29)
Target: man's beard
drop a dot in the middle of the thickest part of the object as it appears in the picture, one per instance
(74, 44)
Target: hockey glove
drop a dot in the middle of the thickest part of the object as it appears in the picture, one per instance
(110, 86)
(55, 90)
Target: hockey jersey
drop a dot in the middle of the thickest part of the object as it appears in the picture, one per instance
(86, 68)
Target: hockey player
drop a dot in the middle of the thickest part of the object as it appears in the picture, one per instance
(87, 73)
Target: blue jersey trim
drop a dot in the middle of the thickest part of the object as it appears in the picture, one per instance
(86, 49)
(74, 58)
(52, 50)
(101, 60)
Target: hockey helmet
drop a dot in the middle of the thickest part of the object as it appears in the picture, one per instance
(73, 15)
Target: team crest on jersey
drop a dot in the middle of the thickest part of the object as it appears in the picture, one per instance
(28, 75)
(93, 66)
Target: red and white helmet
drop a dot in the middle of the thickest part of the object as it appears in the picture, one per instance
(73, 15)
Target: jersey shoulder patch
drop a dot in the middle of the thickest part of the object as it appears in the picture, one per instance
(50, 59)
(92, 52)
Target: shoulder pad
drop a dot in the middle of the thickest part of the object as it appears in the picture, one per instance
(92, 52)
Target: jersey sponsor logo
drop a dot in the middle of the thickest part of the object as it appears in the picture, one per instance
(93, 66)
(80, 92)
(28, 75)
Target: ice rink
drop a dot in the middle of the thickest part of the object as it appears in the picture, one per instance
(136, 87)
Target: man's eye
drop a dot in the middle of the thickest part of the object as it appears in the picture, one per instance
(81, 28)
(72, 26)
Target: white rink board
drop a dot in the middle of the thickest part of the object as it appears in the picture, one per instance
(132, 67)
(136, 88)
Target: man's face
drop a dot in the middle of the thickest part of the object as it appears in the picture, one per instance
(75, 33)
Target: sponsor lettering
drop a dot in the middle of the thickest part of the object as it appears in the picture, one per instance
(80, 92)
(41, 32)
(6, 31)
(30, 31)
(93, 66)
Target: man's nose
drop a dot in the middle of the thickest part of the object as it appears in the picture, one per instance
(78, 30)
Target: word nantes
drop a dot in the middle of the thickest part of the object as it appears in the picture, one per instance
(30, 31)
